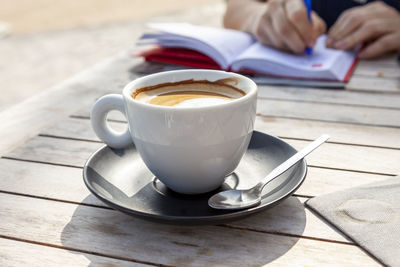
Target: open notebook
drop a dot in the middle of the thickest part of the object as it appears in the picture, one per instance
(218, 48)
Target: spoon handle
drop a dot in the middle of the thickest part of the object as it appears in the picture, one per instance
(291, 161)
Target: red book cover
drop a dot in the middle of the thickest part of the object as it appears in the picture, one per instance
(178, 56)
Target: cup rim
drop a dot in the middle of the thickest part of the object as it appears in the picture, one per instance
(126, 92)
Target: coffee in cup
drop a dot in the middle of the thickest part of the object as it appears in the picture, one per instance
(190, 127)
(188, 93)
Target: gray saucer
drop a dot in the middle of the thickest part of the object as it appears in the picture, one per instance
(121, 180)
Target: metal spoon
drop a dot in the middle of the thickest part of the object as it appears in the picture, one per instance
(240, 199)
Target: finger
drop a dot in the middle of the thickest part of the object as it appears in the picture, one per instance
(386, 43)
(287, 32)
(266, 35)
(277, 40)
(270, 38)
(296, 12)
(368, 31)
(347, 23)
(353, 18)
(319, 26)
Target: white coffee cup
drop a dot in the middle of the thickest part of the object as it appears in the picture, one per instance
(190, 149)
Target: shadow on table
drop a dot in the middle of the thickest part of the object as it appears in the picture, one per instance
(110, 233)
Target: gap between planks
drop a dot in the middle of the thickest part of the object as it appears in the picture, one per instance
(80, 250)
(269, 116)
(289, 235)
(87, 204)
(328, 103)
(43, 162)
(318, 120)
(279, 136)
(349, 170)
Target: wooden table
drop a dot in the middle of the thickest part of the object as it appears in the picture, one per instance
(49, 218)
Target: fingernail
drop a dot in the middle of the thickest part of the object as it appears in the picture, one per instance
(340, 44)
(311, 42)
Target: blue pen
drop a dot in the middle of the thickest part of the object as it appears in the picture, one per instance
(309, 9)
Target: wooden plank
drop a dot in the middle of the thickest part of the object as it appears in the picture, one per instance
(16, 253)
(383, 61)
(374, 84)
(55, 151)
(329, 96)
(347, 157)
(42, 180)
(77, 128)
(45, 181)
(378, 71)
(324, 181)
(339, 132)
(328, 112)
(113, 233)
(357, 158)
(288, 217)
(378, 75)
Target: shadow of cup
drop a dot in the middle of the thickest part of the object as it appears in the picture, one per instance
(250, 242)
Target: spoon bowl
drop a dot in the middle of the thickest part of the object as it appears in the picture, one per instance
(234, 199)
(241, 199)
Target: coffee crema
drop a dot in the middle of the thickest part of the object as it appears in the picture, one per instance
(188, 93)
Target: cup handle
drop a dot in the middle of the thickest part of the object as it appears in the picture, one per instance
(98, 118)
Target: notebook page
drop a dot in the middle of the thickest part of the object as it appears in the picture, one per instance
(321, 57)
(323, 63)
(228, 43)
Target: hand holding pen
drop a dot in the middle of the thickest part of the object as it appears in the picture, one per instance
(286, 25)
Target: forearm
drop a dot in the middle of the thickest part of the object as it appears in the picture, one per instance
(240, 14)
